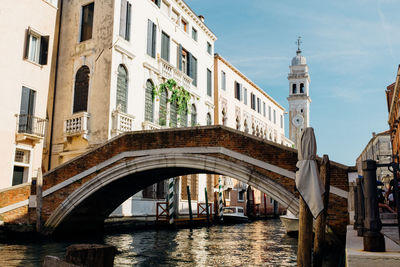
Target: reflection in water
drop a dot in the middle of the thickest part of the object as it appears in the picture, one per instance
(261, 243)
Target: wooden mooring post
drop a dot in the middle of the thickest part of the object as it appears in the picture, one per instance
(207, 211)
(39, 192)
(305, 235)
(320, 222)
(190, 205)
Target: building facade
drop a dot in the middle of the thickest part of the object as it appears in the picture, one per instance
(379, 148)
(299, 96)
(26, 75)
(242, 105)
(393, 102)
(113, 56)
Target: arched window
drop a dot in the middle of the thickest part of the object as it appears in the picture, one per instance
(193, 116)
(302, 88)
(162, 115)
(81, 89)
(184, 118)
(294, 88)
(122, 89)
(149, 107)
(209, 121)
(173, 119)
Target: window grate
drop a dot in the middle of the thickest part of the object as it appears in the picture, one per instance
(22, 156)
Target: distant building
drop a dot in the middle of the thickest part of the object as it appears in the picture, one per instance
(242, 105)
(379, 148)
(28, 31)
(393, 102)
(299, 96)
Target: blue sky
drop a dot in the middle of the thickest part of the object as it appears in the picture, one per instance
(352, 49)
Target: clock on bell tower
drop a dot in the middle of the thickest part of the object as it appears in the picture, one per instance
(299, 99)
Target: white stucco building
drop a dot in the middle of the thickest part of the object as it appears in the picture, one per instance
(28, 28)
(111, 55)
(242, 105)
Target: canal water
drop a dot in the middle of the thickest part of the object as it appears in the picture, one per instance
(260, 243)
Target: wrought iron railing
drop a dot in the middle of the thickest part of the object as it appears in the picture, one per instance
(28, 124)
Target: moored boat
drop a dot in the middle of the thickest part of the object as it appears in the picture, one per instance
(234, 215)
(290, 222)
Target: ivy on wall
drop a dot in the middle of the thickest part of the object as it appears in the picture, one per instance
(178, 95)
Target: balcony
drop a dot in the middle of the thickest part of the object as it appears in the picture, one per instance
(170, 72)
(121, 122)
(148, 125)
(77, 125)
(30, 128)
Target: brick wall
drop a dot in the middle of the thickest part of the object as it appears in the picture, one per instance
(210, 136)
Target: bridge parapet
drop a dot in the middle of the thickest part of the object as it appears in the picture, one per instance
(110, 173)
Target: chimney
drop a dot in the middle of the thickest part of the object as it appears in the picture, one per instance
(373, 134)
(201, 17)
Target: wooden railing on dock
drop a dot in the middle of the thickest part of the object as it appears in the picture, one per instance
(162, 212)
(202, 210)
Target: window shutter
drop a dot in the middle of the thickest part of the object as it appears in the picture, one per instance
(122, 19)
(165, 46)
(188, 64)
(24, 101)
(208, 82)
(44, 48)
(26, 45)
(154, 38)
(180, 57)
(194, 70)
(240, 92)
(128, 21)
(149, 37)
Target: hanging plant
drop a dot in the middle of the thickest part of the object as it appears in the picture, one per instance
(178, 95)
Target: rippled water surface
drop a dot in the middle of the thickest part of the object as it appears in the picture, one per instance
(261, 243)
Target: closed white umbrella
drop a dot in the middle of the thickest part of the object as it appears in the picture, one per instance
(308, 182)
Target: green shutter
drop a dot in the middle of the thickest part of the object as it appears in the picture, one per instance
(162, 116)
(122, 89)
(149, 107)
(154, 41)
(128, 22)
(165, 46)
(180, 57)
(149, 36)
(173, 115)
(209, 85)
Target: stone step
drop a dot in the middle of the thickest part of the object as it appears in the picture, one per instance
(389, 221)
(388, 215)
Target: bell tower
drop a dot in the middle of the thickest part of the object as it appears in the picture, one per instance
(299, 99)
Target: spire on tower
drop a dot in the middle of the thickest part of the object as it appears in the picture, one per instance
(298, 45)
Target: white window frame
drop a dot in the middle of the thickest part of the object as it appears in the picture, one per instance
(238, 199)
(36, 54)
(28, 174)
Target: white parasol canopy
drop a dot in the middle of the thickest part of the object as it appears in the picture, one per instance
(308, 181)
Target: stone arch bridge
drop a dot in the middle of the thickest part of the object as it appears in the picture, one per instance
(81, 193)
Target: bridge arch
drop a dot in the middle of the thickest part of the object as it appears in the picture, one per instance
(75, 211)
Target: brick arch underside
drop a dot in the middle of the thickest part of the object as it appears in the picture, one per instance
(87, 207)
